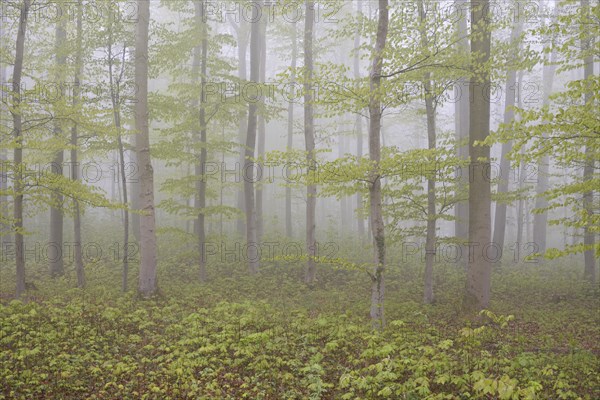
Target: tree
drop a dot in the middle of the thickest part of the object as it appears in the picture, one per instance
(262, 126)
(241, 31)
(290, 128)
(462, 105)
(116, 61)
(358, 121)
(565, 129)
(56, 207)
(15, 111)
(430, 109)
(309, 138)
(479, 267)
(252, 251)
(74, 150)
(509, 103)
(590, 155)
(201, 60)
(147, 277)
(540, 219)
(375, 197)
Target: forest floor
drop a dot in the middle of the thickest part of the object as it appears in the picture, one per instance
(271, 337)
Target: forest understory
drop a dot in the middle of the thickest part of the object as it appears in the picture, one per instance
(271, 337)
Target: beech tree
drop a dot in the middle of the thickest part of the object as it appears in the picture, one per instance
(375, 198)
(479, 266)
(18, 184)
(309, 138)
(253, 254)
(147, 278)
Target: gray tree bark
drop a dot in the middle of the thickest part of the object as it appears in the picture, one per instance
(521, 175)
(359, 131)
(430, 109)
(115, 96)
(309, 138)
(290, 129)
(252, 252)
(242, 41)
(540, 220)
(589, 239)
(74, 163)
(509, 115)
(479, 267)
(462, 112)
(4, 204)
(375, 196)
(262, 127)
(200, 59)
(19, 185)
(147, 277)
(57, 264)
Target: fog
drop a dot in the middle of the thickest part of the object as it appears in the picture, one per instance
(380, 160)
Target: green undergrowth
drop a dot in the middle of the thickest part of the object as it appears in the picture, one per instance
(271, 337)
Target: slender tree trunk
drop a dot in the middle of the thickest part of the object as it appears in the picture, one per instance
(462, 112)
(19, 185)
(147, 277)
(57, 266)
(134, 188)
(252, 252)
(521, 178)
(202, 141)
(74, 163)
(589, 239)
(479, 268)
(430, 109)
(375, 196)
(431, 239)
(290, 130)
(4, 204)
(309, 138)
(359, 131)
(242, 39)
(509, 114)
(115, 96)
(261, 128)
(528, 235)
(540, 220)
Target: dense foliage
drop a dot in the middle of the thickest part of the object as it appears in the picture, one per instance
(266, 337)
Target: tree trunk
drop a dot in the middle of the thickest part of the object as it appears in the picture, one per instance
(462, 112)
(134, 187)
(589, 240)
(19, 185)
(57, 264)
(115, 96)
(290, 130)
(375, 196)
(261, 128)
(359, 131)
(521, 176)
(540, 220)
(74, 163)
(309, 138)
(430, 240)
(343, 216)
(202, 141)
(4, 204)
(252, 252)
(242, 39)
(479, 267)
(509, 114)
(147, 278)
(430, 108)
